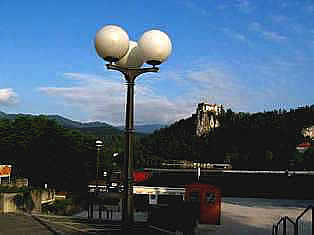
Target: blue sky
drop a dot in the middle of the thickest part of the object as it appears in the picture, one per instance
(250, 56)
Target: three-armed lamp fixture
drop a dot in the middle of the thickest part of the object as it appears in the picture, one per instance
(153, 48)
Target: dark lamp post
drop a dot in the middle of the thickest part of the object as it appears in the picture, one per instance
(99, 145)
(113, 45)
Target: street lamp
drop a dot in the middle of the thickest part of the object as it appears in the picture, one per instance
(113, 45)
(99, 144)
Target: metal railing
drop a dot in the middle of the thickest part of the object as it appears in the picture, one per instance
(303, 227)
(281, 227)
(299, 226)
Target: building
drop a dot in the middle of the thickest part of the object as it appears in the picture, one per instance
(308, 132)
(207, 118)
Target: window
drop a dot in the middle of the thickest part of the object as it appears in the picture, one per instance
(195, 196)
(210, 197)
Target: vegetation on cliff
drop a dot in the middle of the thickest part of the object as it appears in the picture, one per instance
(249, 141)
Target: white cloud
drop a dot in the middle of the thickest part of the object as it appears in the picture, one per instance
(239, 36)
(191, 5)
(245, 6)
(278, 18)
(217, 86)
(269, 35)
(104, 99)
(235, 35)
(8, 97)
(275, 36)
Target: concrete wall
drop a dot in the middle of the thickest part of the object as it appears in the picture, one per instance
(8, 202)
(29, 201)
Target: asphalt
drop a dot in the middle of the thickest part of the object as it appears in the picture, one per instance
(13, 224)
(27, 224)
(240, 216)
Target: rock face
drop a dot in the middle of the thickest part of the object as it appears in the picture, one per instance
(207, 118)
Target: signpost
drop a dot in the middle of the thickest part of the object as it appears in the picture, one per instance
(5, 171)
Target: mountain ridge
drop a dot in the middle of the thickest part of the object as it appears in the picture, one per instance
(68, 123)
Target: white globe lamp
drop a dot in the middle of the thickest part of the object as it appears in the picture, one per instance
(155, 47)
(111, 43)
(133, 58)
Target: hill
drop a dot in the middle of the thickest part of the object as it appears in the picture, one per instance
(96, 128)
(265, 140)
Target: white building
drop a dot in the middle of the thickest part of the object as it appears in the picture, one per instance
(207, 118)
(308, 132)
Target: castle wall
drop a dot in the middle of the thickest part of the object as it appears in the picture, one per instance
(207, 118)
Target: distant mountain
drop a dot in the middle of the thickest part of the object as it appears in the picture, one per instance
(97, 128)
(65, 122)
(146, 129)
(13, 116)
(2, 114)
(75, 124)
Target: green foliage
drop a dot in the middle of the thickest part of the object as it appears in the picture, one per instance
(44, 152)
(249, 141)
(61, 207)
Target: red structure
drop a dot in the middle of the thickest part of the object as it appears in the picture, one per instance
(209, 199)
(140, 176)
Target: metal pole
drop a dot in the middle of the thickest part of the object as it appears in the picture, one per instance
(130, 75)
(97, 166)
(312, 221)
(127, 205)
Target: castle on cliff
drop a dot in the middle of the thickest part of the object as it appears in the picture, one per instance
(207, 118)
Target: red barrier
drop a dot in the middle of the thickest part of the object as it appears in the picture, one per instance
(139, 176)
(209, 199)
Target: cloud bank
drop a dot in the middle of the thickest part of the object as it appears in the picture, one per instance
(8, 97)
(103, 98)
(269, 35)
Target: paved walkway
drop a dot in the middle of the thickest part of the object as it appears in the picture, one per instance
(240, 216)
(247, 216)
(17, 224)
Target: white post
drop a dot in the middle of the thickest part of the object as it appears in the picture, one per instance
(198, 173)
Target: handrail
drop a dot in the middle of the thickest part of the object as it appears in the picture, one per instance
(275, 226)
(281, 219)
(284, 220)
(308, 208)
(295, 224)
(300, 216)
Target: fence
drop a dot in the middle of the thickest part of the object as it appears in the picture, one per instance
(303, 225)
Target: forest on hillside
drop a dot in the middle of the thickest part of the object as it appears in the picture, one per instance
(43, 151)
(265, 140)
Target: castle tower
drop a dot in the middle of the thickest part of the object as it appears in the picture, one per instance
(207, 118)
